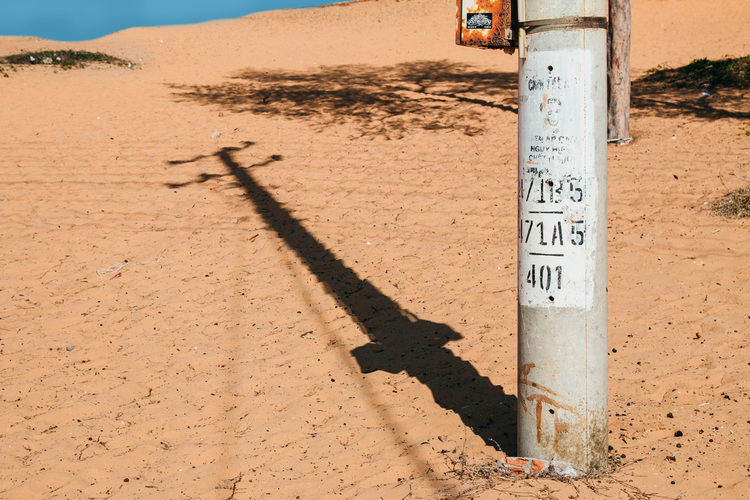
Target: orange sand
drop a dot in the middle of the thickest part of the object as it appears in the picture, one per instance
(179, 313)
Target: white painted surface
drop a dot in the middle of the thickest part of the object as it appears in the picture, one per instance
(557, 183)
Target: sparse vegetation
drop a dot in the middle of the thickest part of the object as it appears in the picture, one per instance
(731, 72)
(733, 205)
(479, 477)
(66, 59)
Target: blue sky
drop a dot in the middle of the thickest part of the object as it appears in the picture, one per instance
(75, 20)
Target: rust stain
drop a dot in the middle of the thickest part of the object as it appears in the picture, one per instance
(522, 379)
(560, 427)
(541, 400)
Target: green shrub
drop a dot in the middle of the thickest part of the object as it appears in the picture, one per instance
(704, 73)
(64, 58)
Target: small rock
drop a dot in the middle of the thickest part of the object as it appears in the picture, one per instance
(215, 134)
(70, 348)
(443, 438)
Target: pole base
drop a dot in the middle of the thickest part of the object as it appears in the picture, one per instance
(531, 467)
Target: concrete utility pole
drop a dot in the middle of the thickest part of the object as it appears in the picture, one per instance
(562, 245)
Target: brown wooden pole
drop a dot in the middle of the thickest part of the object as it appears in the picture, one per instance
(618, 71)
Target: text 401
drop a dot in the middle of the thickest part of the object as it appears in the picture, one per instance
(545, 277)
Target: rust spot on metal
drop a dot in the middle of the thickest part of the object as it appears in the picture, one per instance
(484, 23)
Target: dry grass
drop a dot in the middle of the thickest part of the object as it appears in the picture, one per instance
(733, 205)
(479, 477)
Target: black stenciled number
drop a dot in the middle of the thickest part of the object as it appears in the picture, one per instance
(530, 224)
(540, 225)
(558, 239)
(576, 192)
(531, 276)
(577, 232)
(548, 188)
(551, 190)
(544, 277)
(531, 186)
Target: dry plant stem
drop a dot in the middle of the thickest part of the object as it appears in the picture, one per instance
(485, 476)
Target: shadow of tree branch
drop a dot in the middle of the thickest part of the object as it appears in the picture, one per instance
(389, 101)
(381, 101)
(670, 103)
(707, 89)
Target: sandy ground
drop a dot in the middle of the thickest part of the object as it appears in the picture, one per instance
(321, 301)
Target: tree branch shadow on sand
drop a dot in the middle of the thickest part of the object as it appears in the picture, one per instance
(389, 101)
(707, 89)
(383, 101)
(399, 341)
(649, 100)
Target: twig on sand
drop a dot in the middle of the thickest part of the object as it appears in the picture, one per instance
(746, 179)
(408, 494)
(230, 484)
(478, 477)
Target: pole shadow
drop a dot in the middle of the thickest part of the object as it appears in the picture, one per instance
(399, 340)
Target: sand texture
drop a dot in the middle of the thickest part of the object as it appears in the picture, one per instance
(320, 300)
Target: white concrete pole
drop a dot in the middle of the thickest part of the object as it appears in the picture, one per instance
(562, 233)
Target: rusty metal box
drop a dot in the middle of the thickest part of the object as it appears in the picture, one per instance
(484, 23)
